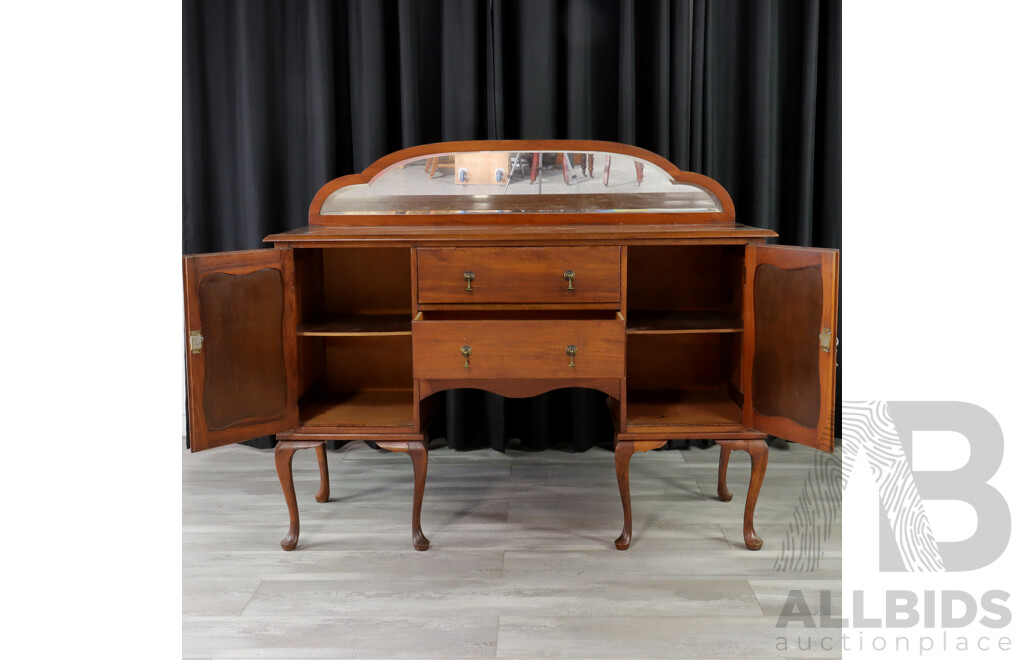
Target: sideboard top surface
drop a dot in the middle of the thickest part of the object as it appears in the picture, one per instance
(517, 234)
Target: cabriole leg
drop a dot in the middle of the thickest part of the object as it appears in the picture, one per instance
(758, 450)
(418, 454)
(723, 467)
(624, 450)
(283, 454)
(417, 451)
(324, 493)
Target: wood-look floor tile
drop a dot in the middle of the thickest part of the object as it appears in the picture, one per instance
(522, 536)
(644, 637)
(638, 564)
(216, 595)
(409, 565)
(304, 636)
(592, 594)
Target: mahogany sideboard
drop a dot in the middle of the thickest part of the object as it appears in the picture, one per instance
(516, 267)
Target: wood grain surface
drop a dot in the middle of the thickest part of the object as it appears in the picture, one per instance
(518, 275)
(518, 349)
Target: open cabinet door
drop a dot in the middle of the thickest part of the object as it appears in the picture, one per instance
(240, 321)
(789, 314)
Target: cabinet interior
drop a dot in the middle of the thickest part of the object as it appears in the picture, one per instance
(355, 337)
(684, 336)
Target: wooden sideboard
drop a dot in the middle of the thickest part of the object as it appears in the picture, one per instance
(515, 270)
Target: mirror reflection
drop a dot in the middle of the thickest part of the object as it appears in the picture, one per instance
(521, 182)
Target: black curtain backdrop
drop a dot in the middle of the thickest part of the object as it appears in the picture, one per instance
(282, 96)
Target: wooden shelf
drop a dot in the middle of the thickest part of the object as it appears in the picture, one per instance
(660, 323)
(365, 408)
(358, 325)
(707, 408)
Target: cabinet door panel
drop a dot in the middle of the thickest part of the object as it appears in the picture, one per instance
(789, 315)
(240, 319)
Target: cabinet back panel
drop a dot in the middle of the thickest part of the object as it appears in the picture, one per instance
(732, 366)
(361, 363)
(311, 364)
(733, 264)
(309, 284)
(668, 362)
(366, 280)
(681, 278)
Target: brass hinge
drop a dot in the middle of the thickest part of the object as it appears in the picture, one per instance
(825, 340)
(195, 342)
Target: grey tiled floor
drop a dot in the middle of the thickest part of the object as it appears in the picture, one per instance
(521, 563)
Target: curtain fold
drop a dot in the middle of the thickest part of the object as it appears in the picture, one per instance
(281, 96)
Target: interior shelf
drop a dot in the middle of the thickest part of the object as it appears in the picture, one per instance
(377, 408)
(654, 323)
(705, 406)
(358, 325)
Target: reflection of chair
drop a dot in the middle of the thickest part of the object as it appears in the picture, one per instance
(566, 160)
(537, 171)
(586, 163)
(569, 163)
(608, 168)
(567, 174)
(517, 162)
(444, 162)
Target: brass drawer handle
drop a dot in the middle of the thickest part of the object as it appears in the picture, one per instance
(571, 351)
(569, 275)
(470, 276)
(466, 351)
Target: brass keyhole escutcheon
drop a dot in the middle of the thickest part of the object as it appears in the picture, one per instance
(569, 276)
(466, 351)
(825, 340)
(571, 351)
(470, 276)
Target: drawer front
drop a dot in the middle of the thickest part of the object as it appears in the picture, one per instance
(518, 275)
(518, 349)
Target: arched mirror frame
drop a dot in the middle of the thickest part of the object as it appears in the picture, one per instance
(727, 215)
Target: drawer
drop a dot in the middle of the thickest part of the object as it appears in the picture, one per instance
(518, 275)
(518, 349)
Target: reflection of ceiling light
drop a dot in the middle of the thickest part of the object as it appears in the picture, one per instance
(481, 196)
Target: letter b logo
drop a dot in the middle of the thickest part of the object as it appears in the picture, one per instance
(883, 432)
